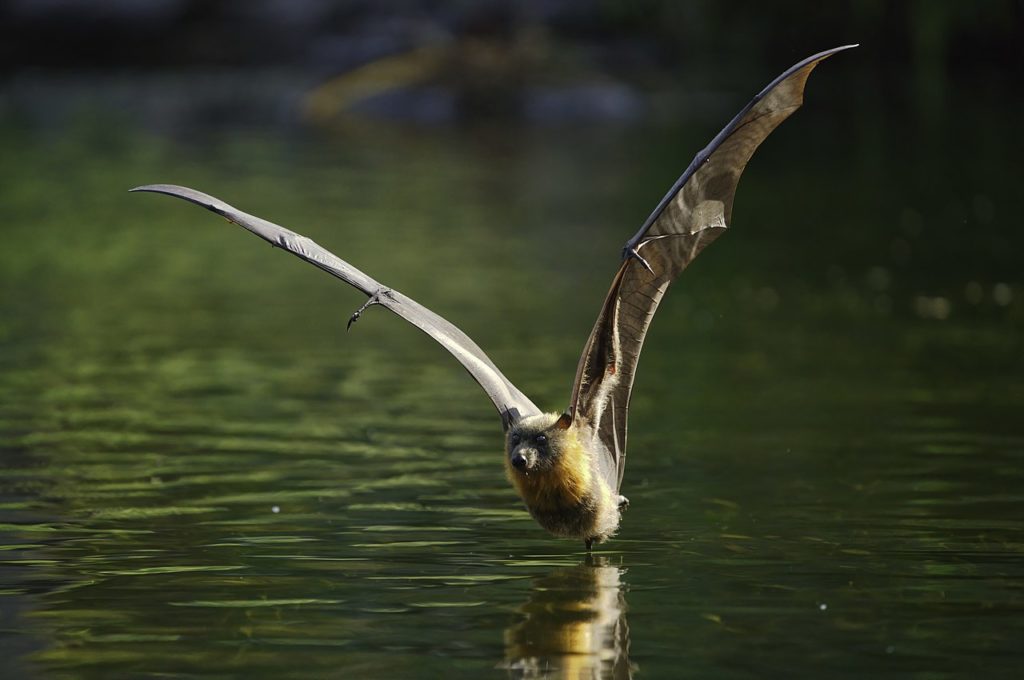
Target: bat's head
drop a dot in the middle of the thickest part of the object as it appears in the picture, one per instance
(536, 444)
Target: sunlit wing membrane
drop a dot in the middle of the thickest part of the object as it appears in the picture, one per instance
(694, 212)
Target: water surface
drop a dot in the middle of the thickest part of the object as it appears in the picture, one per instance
(203, 475)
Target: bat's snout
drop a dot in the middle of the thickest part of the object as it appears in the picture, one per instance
(523, 459)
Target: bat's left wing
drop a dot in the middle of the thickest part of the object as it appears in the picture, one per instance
(694, 212)
(510, 402)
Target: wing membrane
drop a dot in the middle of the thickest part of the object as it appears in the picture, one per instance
(694, 212)
(510, 402)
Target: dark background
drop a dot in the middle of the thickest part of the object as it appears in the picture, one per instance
(649, 45)
(948, 37)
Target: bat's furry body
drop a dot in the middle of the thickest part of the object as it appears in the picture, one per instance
(564, 476)
(568, 467)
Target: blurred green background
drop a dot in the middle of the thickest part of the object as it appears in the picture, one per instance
(202, 474)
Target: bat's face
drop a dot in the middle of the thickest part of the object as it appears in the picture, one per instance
(534, 444)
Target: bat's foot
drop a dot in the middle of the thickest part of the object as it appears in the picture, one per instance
(589, 544)
(623, 503)
(373, 300)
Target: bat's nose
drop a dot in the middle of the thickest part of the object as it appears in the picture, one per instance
(519, 461)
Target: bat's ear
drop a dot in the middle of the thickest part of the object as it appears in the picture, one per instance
(564, 422)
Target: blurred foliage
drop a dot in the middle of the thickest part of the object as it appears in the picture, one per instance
(626, 36)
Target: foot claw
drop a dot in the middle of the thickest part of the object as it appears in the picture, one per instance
(373, 300)
(358, 313)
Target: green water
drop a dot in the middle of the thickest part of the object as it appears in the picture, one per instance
(203, 475)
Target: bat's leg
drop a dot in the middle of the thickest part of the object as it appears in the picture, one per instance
(373, 300)
(589, 543)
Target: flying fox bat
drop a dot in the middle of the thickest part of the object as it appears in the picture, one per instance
(568, 466)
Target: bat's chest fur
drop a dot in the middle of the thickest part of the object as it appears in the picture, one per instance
(572, 499)
(581, 520)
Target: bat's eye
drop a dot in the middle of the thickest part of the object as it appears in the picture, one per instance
(514, 439)
(541, 439)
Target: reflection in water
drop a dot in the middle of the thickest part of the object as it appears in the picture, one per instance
(573, 626)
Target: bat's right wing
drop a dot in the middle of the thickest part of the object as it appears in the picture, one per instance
(510, 402)
(694, 212)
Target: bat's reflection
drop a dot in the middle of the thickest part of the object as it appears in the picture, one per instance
(572, 626)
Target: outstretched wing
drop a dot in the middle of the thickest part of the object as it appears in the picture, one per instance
(694, 212)
(510, 402)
